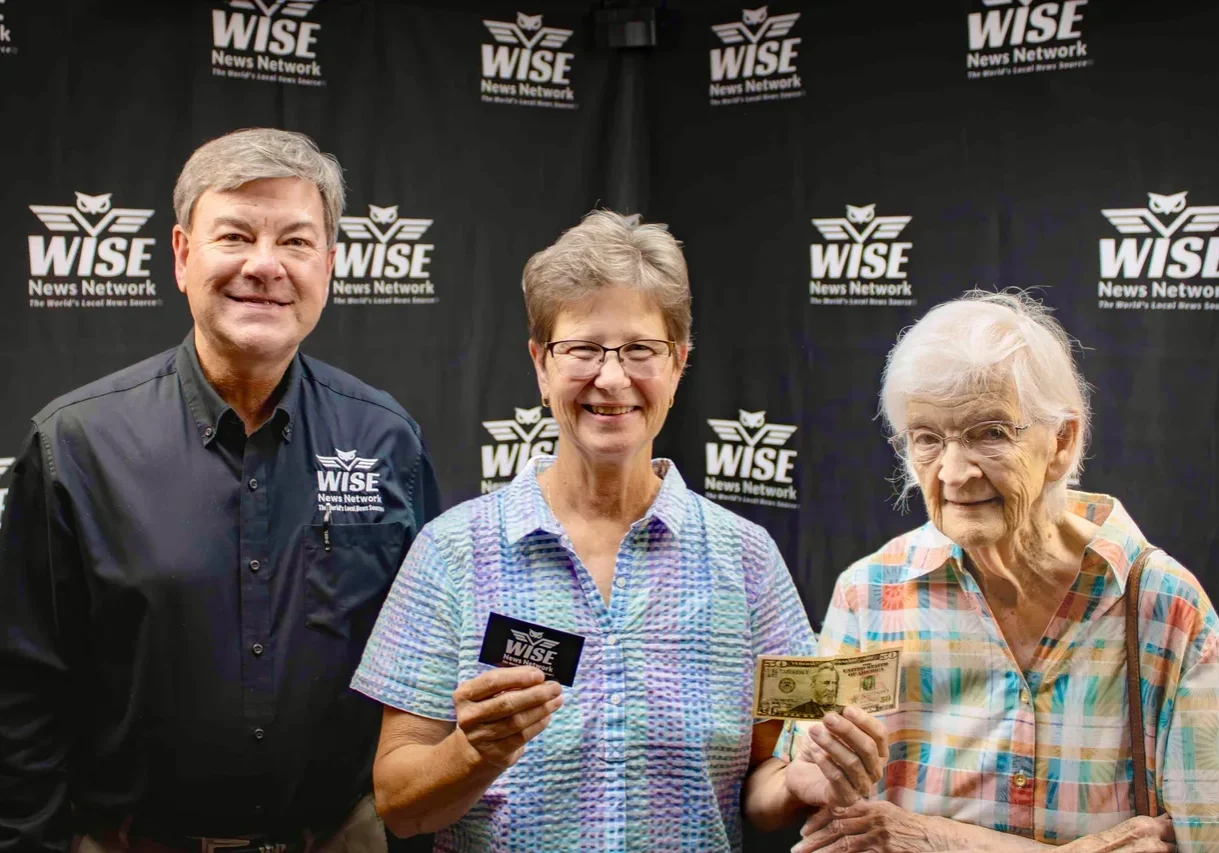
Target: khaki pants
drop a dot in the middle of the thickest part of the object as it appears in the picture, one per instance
(362, 832)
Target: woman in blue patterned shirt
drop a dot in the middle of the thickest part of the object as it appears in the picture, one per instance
(654, 746)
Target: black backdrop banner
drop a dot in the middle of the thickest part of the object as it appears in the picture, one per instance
(834, 170)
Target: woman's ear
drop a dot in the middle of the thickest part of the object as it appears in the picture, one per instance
(1065, 444)
(538, 353)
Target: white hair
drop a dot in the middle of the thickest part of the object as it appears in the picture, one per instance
(982, 342)
(237, 158)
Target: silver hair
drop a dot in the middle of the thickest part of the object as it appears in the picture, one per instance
(608, 249)
(237, 158)
(983, 341)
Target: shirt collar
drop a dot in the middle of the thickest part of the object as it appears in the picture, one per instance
(530, 512)
(1117, 542)
(208, 408)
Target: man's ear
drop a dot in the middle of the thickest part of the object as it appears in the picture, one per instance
(181, 245)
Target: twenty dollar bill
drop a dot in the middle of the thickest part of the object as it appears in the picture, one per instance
(798, 688)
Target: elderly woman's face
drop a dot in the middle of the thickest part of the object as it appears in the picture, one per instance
(612, 415)
(974, 500)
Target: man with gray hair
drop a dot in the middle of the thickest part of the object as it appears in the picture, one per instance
(195, 548)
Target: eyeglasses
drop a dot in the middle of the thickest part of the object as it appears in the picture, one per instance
(989, 439)
(583, 359)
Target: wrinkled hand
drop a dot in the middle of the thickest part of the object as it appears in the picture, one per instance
(876, 826)
(501, 710)
(1137, 835)
(840, 760)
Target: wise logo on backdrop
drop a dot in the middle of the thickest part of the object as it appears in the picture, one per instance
(266, 40)
(1166, 259)
(1008, 37)
(751, 462)
(382, 261)
(6, 462)
(756, 59)
(91, 257)
(860, 261)
(7, 46)
(517, 440)
(525, 67)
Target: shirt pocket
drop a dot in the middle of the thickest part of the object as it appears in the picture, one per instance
(346, 583)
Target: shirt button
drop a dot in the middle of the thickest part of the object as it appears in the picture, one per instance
(616, 699)
(255, 565)
(611, 640)
(287, 432)
(259, 734)
(256, 649)
(209, 432)
(1024, 697)
(619, 582)
(253, 484)
(1021, 780)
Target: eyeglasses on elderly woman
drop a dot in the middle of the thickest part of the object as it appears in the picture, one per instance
(989, 439)
(645, 359)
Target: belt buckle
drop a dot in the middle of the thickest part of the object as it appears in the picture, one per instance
(238, 845)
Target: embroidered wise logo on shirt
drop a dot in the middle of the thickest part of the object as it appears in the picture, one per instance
(92, 258)
(382, 262)
(749, 457)
(861, 263)
(266, 40)
(517, 441)
(756, 60)
(525, 67)
(347, 483)
(1164, 264)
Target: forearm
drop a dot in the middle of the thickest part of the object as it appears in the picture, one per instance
(422, 788)
(966, 836)
(765, 799)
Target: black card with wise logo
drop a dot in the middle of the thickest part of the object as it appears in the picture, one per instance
(512, 642)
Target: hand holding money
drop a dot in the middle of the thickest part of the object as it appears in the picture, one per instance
(837, 762)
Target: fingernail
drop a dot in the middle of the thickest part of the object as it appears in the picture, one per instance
(832, 719)
(838, 810)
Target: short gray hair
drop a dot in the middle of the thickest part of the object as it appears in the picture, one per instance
(608, 249)
(979, 342)
(237, 158)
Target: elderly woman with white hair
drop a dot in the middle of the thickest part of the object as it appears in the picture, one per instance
(653, 747)
(1011, 607)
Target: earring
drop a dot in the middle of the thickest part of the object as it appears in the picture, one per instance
(672, 400)
(545, 401)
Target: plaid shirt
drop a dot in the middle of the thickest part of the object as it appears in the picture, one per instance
(652, 743)
(1044, 753)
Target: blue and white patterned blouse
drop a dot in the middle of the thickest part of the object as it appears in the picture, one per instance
(652, 743)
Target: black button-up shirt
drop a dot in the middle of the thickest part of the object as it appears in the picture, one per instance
(182, 606)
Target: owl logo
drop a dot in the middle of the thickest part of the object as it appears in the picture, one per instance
(861, 215)
(93, 203)
(346, 460)
(289, 8)
(371, 226)
(755, 25)
(513, 32)
(528, 426)
(1166, 204)
(116, 220)
(739, 430)
(525, 417)
(533, 639)
(1146, 220)
(383, 215)
(753, 420)
(754, 17)
(875, 227)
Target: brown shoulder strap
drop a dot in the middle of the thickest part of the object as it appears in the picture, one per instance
(1138, 748)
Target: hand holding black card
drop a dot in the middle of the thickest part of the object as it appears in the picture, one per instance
(513, 642)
